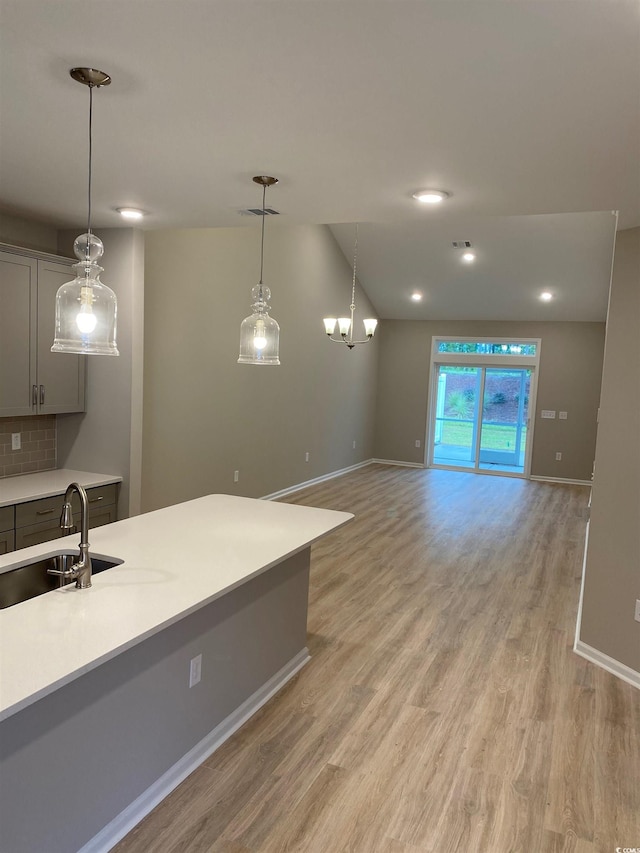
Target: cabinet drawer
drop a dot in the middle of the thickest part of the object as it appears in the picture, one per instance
(99, 496)
(7, 542)
(45, 509)
(6, 518)
(34, 534)
(102, 515)
(35, 512)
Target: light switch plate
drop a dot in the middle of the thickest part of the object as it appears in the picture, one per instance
(548, 413)
(562, 416)
(195, 670)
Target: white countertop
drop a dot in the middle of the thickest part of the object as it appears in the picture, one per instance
(45, 484)
(176, 560)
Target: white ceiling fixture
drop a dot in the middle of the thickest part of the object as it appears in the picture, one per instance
(260, 333)
(416, 297)
(546, 296)
(345, 324)
(132, 213)
(86, 308)
(430, 196)
(468, 255)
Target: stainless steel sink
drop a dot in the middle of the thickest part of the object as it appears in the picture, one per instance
(26, 582)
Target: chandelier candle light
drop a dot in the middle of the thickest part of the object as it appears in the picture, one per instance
(345, 324)
(85, 307)
(260, 333)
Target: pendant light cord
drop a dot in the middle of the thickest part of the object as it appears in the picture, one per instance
(264, 192)
(90, 160)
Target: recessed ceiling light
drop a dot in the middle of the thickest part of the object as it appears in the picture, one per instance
(130, 213)
(546, 296)
(468, 257)
(430, 196)
(416, 297)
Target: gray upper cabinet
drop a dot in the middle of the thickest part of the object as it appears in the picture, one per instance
(33, 380)
(18, 316)
(60, 375)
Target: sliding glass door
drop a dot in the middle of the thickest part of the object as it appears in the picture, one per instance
(505, 411)
(456, 422)
(481, 416)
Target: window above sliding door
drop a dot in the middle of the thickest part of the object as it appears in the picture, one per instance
(455, 350)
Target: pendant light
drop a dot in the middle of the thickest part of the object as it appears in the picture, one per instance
(85, 307)
(345, 324)
(259, 333)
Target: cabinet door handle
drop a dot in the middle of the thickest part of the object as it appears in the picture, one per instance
(44, 511)
(42, 395)
(34, 395)
(95, 500)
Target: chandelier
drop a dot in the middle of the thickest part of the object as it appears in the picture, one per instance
(345, 324)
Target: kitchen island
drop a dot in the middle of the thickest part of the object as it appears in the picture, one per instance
(98, 720)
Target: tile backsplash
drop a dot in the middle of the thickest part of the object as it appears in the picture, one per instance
(38, 445)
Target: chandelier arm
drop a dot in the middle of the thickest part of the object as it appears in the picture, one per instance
(348, 341)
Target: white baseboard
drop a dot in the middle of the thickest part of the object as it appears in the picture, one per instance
(116, 829)
(605, 662)
(397, 462)
(562, 480)
(584, 574)
(299, 486)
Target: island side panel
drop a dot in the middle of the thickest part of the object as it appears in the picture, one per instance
(85, 752)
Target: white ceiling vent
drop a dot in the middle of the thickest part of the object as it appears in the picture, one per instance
(258, 211)
(461, 244)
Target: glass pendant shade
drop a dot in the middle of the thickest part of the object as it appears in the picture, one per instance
(370, 327)
(259, 333)
(329, 325)
(86, 309)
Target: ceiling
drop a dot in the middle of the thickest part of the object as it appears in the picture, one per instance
(528, 113)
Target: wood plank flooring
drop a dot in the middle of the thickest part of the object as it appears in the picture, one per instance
(443, 709)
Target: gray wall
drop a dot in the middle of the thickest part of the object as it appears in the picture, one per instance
(612, 572)
(107, 437)
(29, 234)
(205, 415)
(569, 380)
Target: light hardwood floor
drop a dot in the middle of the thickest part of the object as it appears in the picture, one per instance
(443, 709)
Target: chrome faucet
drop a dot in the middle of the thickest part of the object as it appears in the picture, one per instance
(81, 568)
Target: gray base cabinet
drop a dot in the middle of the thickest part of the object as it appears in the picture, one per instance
(7, 523)
(39, 521)
(34, 380)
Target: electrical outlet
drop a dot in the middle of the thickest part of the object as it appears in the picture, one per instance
(236, 476)
(562, 416)
(558, 457)
(637, 615)
(306, 456)
(195, 670)
(417, 442)
(16, 441)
